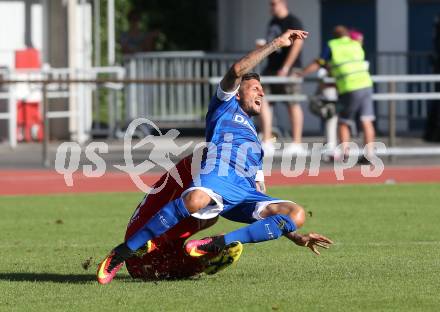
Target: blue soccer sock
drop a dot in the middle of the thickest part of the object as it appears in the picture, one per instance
(167, 217)
(263, 230)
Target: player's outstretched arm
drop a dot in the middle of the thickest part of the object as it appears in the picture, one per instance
(310, 240)
(232, 78)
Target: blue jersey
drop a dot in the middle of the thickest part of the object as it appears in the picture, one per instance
(238, 152)
(234, 157)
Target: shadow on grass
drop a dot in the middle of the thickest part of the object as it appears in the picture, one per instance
(73, 278)
(53, 277)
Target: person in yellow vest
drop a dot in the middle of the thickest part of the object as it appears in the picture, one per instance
(345, 58)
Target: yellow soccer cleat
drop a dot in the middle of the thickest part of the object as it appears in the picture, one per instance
(147, 248)
(228, 256)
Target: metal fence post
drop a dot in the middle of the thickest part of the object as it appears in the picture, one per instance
(12, 108)
(111, 113)
(46, 160)
(392, 118)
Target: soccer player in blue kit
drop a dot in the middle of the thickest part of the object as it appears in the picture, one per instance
(226, 185)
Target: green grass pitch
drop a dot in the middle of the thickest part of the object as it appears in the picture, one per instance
(386, 256)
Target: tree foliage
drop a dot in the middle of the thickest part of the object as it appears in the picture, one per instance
(184, 25)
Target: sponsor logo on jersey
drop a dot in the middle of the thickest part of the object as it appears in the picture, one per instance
(244, 121)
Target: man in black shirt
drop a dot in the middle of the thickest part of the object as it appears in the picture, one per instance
(283, 63)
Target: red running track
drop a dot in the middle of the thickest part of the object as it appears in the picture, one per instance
(18, 182)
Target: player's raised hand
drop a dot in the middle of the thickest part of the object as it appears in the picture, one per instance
(289, 36)
(312, 241)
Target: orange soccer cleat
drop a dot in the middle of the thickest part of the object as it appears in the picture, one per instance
(108, 268)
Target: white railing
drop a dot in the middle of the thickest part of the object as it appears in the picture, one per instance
(387, 86)
(186, 104)
(182, 104)
(180, 93)
(80, 107)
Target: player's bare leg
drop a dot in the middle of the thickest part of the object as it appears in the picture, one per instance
(297, 121)
(369, 134)
(266, 121)
(293, 210)
(344, 137)
(266, 128)
(196, 200)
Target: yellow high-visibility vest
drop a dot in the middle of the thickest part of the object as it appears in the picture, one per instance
(348, 65)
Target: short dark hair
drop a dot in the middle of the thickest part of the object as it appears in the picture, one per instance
(340, 31)
(250, 76)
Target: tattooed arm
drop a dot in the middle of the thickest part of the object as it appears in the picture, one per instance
(232, 78)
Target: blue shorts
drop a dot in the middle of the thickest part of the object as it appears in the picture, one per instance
(243, 213)
(234, 198)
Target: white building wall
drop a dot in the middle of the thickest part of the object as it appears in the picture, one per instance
(22, 24)
(37, 26)
(309, 11)
(392, 25)
(13, 21)
(82, 60)
(392, 36)
(241, 22)
(12, 15)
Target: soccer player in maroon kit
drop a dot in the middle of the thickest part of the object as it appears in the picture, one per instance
(164, 256)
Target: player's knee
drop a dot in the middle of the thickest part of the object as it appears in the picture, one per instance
(294, 211)
(298, 215)
(196, 200)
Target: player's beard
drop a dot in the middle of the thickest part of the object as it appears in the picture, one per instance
(250, 110)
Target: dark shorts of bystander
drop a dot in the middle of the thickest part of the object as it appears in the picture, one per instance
(354, 104)
(282, 89)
